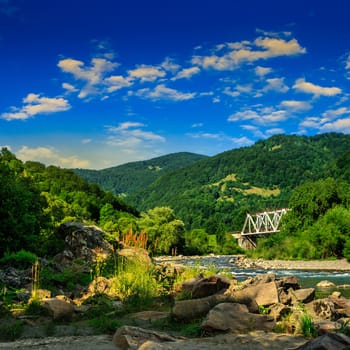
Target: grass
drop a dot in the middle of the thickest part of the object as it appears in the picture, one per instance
(11, 330)
(307, 326)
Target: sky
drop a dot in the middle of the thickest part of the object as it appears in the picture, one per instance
(95, 84)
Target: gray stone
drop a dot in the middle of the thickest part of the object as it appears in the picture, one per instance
(235, 318)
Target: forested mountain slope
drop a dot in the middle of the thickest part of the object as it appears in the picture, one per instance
(216, 192)
(134, 176)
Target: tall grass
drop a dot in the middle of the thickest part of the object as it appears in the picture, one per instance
(134, 283)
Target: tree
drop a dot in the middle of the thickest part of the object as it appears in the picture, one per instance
(164, 230)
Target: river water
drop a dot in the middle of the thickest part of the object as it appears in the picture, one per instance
(306, 278)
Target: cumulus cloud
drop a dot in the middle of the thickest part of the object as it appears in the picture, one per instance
(262, 71)
(162, 92)
(276, 84)
(93, 75)
(146, 73)
(51, 156)
(69, 87)
(264, 116)
(295, 105)
(186, 73)
(347, 63)
(34, 104)
(230, 56)
(310, 88)
(130, 136)
(117, 82)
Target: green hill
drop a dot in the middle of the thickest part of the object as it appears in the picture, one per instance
(216, 192)
(134, 176)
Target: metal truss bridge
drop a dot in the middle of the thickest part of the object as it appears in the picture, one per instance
(263, 223)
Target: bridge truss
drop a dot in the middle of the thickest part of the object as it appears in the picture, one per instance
(263, 223)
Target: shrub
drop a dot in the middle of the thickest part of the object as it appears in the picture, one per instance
(21, 259)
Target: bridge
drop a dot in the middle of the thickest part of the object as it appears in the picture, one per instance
(262, 223)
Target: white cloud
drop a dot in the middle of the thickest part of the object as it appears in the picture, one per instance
(117, 82)
(161, 92)
(169, 65)
(340, 125)
(131, 136)
(69, 87)
(254, 130)
(294, 105)
(34, 104)
(51, 156)
(275, 131)
(146, 73)
(262, 71)
(233, 55)
(310, 88)
(276, 84)
(264, 116)
(93, 75)
(186, 73)
(234, 141)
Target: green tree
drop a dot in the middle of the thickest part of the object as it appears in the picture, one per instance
(164, 230)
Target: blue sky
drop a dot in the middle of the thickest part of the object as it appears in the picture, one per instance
(94, 84)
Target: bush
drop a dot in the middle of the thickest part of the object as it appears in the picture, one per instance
(21, 259)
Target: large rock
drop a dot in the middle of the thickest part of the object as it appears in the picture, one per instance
(135, 255)
(204, 287)
(341, 304)
(129, 337)
(186, 310)
(303, 295)
(331, 341)
(235, 318)
(85, 243)
(58, 309)
(322, 309)
(264, 294)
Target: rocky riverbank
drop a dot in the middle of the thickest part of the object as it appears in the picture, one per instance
(243, 262)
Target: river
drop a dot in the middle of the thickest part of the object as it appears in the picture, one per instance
(306, 278)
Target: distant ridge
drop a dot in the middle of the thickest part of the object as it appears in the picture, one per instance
(134, 176)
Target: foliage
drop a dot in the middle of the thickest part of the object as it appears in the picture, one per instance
(307, 326)
(132, 177)
(10, 331)
(134, 284)
(105, 325)
(164, 230)
(21, 259)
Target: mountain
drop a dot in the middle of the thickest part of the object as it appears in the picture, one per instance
(132, 177)
(216, 192)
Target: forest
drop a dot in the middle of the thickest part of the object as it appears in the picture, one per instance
(194, 205)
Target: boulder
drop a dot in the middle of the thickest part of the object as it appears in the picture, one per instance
(342, 305)
(322, 309)
(330, 341)
(208, 286)
(303, 295)
(58, 309)
(325, 284)
(264, 294)
(278, 311)
(129, 337)
(85, 243)
(191, 309)
(135, 255)
(235, 318)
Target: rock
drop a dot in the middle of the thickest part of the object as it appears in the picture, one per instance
(264, 294)
(134, 254)
(288, 282)
(186, 310)
(324, 327)
(303, 295)
(235, 318)
(128, 337)
(322, 309)
(331, 341)
(208, 286)
(151, 345)
(99, 285)
(59, 309)
(342, 305)
(278, 311)
(82, 242)
(325, 284)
